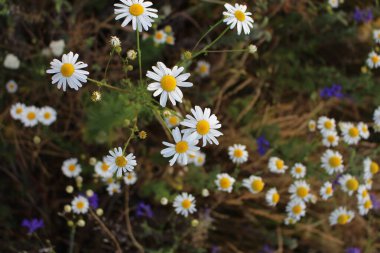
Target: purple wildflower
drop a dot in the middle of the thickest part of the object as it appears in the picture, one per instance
(144, 210)
(215, 249)
(335, 183)
(353, 250)
(32, 224)
(267, 249)
(334, 91)
(262, 145)
(362, 15)
(94, 201)
(375, 202)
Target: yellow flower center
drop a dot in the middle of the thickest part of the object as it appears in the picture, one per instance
(31, 115)
(375, 59)
(80, 205)
(203, 127)
(200, 159)
(186, 204)
(130, 176)
(353, 132)
(159, 35)
(239, 15)
(298, 170)
(297, 209)
(168, 83)
(173, 120)
(328, 124)
(203, 68)
(365, 193)
(19, 110)
(47, 115)
(368, 204)
(105, 167)
(71, 167)
(364, 129)
(331, 138)
(280, 164)
(335, 161)
(343, 219)
(67, 69)
(181, 147)
(302, 192)
(352, 184)
(169, 39)
(225, 182)
(121, 162)
(275, 197)
(329, 190)
(238, 153)
(136, 9)
(257, 185)
(374, 167)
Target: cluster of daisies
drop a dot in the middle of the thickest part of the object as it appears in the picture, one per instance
(164, 36)
(373, 60)
(30, 116)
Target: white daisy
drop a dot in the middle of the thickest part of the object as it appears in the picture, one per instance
(136, 11)
(11, 61)
(30, 116)
(326, 191)
(80, 205)
(103, 169)
(238, 16)
(365, 206)
(170, 40)
(332, 162)
(296, 209)
(254, 184)
(363, 130)
(376, 116)
(238, 153)
(373, 60)
(300, 190)
(68, 72)
(120, 163)
(351, 134)
(277, 165)
(348, 183)
(11, 86)
(184, 204)
(159, 37)
(184, 145)
(113, 188)
(166, 83)
(312, 125)
(298, 170)
(71, 168)
(17, 110)
(334, 3)
(370, 167)
(203, 68)
(362, 194)
(272, 197)
(368, 182)
(224, 182)
(330, 139)
(376, 35)
(326, 124)
(47, 115)
(203, 125)
(130, 178)
(341, 216)
(57, 47)
(290, 221)
(199, 159)
(173, 119)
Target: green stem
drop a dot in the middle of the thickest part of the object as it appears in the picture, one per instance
(108, 63)
(208, 31)
(72, 238)
(129, 140)
(139, 53)
(104, 84)
(204, 50)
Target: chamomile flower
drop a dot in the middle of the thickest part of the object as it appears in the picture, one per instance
(348, 183)
(203, 125)
(370, 167)
(173, 119)
(113, 188)
(203, 68)
(11, 86)
(277, 165)
(368, 182)
(170, 39)
(326, 191)
(326, 124)
(71, 168)
(334, 3)
(130, 178)
(330, 139)
(238, 16)
(120, 163)
(184, 145)
(17, 111)
(300, 190)
(47, 115)
(373, 60)
(224, 182)
(254, 184)
(199, 159)
(290, 221)
(136, 11)
(332, 162)
(80, 205)
(238, 153)
(159, 37)
(68, 72)
(103, 169)
(376, 116)
(30, 116)
(298, 171)
(272, 197)
(167, 82)
(351, 133)
(365, 206)
(296, 209)
(312, 125)
(363, 130)
(376, 35)
(184, 204)
(341, 216)
(362, 194)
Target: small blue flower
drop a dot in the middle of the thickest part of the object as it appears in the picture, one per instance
(334, 91)
(215, 249)
(362, 15)
(144, 210)
(267, 249)
(375, 201)
(94, 201)
(353, 250)
(32, 224)
(262, 145)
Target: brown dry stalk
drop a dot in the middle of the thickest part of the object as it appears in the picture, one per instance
(135, 243)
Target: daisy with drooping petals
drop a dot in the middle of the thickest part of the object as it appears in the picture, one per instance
(238, 153)
(173, 119)
(341, 216)
(120, 163)
(47, 115)
(68, 72)
(330, 139)
(159, 37)
(30, 116)
(113, 188)
(71, 168)
(184, 204)
(136, 11)
(272, 197)
(298, 171)
(326, 124)
(166, 83)
(203, 68)
(362, 193)
(199, 159)
(332, 162)
(300, 190)
(370, 167)
(80, 205)
(365, 206)
(376, 116)
(373, 60)
(351, 134)
(238, 16)
(312, 125)
(184, 145)
(363, 130)
(224, 182)
(254, 184)
(296, 209)
(348, 183)
(17, 110)
(11, 86)
(203, 125)
(326, 191)
(277, 165)
(130, 178)
(103, 169)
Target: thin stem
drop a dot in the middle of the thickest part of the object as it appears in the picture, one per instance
(208, 31)
(72, 239)
(104, 84)
(139, 53)
(130, 138)
(204, 50)
(139, 247)
(226, 51)
(108, 63)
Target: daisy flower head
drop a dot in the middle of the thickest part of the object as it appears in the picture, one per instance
(137, 11)
(183, 147)
(365, 206)
(376, 116)
(113, 188)
(17, 111)
(224, 182)
(238, 153)
(120, 163)
(334, 3)
(254, 184)
(159, 37)
(103, 169)
(237, 16)
(11, 86)
(167, 82)
(203, 68)
(296, 209)
(326, 124)
(363, 130)
(277, 165)
(341, 216)
(68, 72)
(203, 125)
(30, 116)
(376, 35)
(312, 125)
(373, 60)
(290, 221)
(330, 139)
(199, 159)
(326, 191)
(173, 119)
(332, 162)
(184, 204)
(71, 168)
(370, 167)
(272, 197)
(300, 190)
(80, 205)
(351, 133)
(170, 39)
(130, 178)
(362, 194)
(348, 183)
(47, 115)
(298, 171)
(368, 182)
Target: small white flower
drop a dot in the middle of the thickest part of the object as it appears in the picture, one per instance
(376, 35)
(370, 167)
(334, 3)
(341, 216)
(363, 130)
(17, 111)
(326, 191)
(277, 165)
(332, 162)
(290, 221)
(238, 153)
(30, 116)
(115, 41)
(199, 159)
(376, 116)
(330, 139)
(272, 197)
(365, 206)
(80, 205)
(103, 169)
(296, 209)
(130, 178)
(120, 163)
(184, 204)
(326, 124)
(159, 37)
(57, 47)
(173, 119)
(254, 184)
(224, 182)
(373, 60)
(362, 194)
(300, 190)
(113, 188)
(348, 183)
(351, 134)
(298, 171)
(238, 16)
(252, 49)
(203, 68)
(71, 168)
(11, 61)
(11, 86)
(47, 115)
(170, 40)
(312, 125)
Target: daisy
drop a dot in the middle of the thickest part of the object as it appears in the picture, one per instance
(130, 178)
(277, 165)
(113, 188)
(298, 170)
(334, 3)
(238, 153)
(365, 206)
(71, 168)
(376, 35)
(68, 72)
(351, 134)
(326, 191)
(11, 86)
(159, 37)
(184, 204)
(80, 205)
(254, 184)
(237, 16)
(368, 182)
(166, 83)
(103, 169)
(363, 130)
(136, 11)
(203, 68)
(290, 221)
(296, 209)
(326, 124)
(330, 139)
(203, 125)
(362, 194)
(57, 47)
(184, 145)
(224, 182)
(173, 120)
(312, 125)
(47, 115)
(370, 167)
(300, 190)
(120, 163)
(17, 110)
(11, 61)
(341, 216)
(170, 40)
(376, 116)
(348, 183)
(332, 162)
(30, 116)
(373, 60)
(272, 197)
(199, 159)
